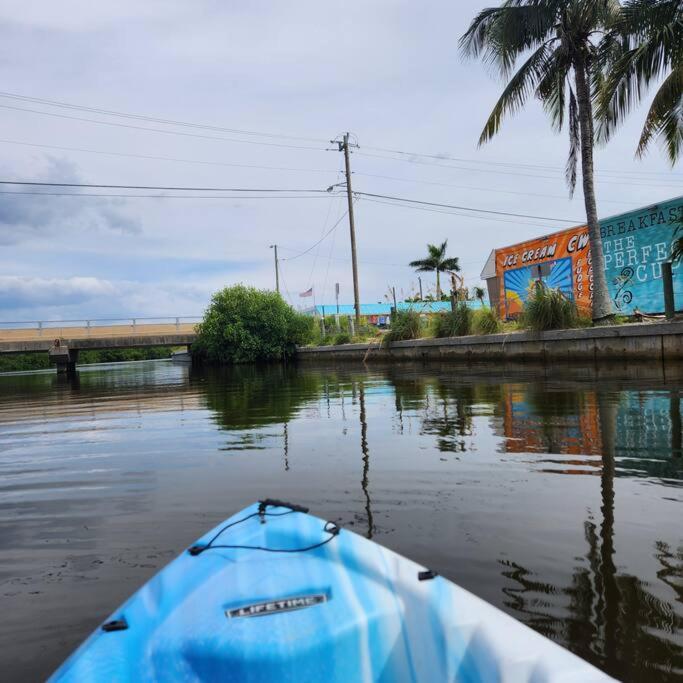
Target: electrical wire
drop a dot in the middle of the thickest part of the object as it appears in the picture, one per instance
(313, 246)
(119, 195)
(488, 190)
(510, 172)
(174, 159)
(447, 157)
(465, 208)
(156, 187)
(153, 119)
(161, 130)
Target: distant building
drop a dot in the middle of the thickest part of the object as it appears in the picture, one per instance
(634, 245)
(379, 314)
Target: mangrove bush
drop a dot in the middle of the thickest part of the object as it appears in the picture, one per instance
(244, 325)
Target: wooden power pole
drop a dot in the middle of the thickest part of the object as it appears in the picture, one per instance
(344, 147)
(277, 270)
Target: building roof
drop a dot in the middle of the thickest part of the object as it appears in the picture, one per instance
(385, 308)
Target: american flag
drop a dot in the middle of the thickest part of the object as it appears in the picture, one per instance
(308, 292)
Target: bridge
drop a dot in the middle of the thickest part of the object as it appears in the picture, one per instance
(62, 340)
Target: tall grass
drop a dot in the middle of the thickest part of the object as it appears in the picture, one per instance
(485, 321)
(549, 309)
(404, 325)
(457, 323)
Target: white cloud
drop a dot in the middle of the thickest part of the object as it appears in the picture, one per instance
(24, 292)
(25, 216)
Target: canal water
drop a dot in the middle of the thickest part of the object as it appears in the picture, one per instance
(553, 493)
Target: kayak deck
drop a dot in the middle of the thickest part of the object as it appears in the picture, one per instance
(275, 594)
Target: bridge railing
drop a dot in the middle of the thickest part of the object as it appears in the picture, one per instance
(96, 326)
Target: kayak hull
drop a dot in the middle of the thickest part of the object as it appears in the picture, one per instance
(328, 606)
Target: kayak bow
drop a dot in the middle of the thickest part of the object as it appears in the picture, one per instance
(275, 594)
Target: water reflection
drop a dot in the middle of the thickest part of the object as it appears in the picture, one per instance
(553, 493)
(366, 458)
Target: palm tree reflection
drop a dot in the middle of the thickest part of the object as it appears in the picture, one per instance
(366, 458)
(614, 620)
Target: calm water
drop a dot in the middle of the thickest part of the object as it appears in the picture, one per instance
(553, 494)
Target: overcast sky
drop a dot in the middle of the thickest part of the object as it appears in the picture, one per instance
(389, 71)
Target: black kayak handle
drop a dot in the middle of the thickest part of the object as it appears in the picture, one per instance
(273, 502)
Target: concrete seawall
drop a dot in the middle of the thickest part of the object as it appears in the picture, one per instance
(642, 341)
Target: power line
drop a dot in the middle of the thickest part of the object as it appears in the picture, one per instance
(162, 196)
(488, 190)
(160, 130)
(156, 187)
(466, 208)
(153, 119)
(510, 172)
(313, 246)
(457, 213)
(447, 157)
(175, 159)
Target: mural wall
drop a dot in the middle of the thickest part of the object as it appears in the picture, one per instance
(561, 260)
(635, 244)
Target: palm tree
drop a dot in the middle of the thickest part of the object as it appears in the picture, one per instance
(479, 293)
(562, 71)
(438, 262)
(646, 46)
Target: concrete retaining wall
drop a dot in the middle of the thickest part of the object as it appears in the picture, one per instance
(641, 341)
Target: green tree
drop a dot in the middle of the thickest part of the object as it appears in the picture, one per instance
(243, 325)
(438, 262)
(646, 46)
(563, 70)
(479, 294)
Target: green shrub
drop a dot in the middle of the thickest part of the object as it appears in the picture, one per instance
(243, 325)
(342, 338)
(485, 321)
(548, 309)
(404, 325)
(457, 323)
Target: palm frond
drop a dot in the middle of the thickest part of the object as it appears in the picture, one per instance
(499, 35)
(423, 265)
(677, 250)
(452, 263)
(665, 117)
(643, 47)
(519, 88)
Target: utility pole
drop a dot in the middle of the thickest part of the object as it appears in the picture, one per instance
(277, 271)
(344, 147)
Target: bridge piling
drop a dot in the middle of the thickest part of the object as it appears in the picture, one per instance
(63, 357)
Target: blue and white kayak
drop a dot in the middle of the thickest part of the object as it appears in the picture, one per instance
(275, 594)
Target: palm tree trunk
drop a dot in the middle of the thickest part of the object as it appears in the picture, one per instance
(438, 286)
(602, 305)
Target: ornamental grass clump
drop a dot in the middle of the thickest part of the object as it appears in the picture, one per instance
(404, 325)
(485, 321)
(456, 323)
(549, 309)
(245, 325)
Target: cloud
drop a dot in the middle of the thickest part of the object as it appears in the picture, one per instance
(25, 292)
(26, 216)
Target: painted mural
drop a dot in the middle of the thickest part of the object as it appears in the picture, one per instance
(561, 260)
(635, 245)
